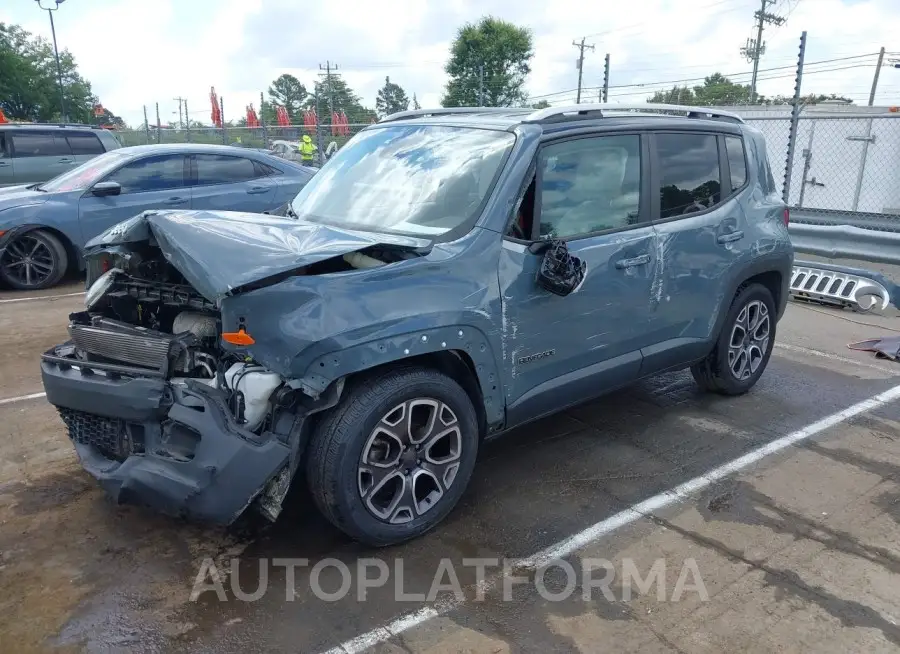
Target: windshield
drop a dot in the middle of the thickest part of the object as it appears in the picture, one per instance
(409, 179)
(84, 175)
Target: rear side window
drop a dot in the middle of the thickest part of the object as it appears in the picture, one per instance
(151, 174)
(40, 144)
(689, 177)
(84, 143)
(737, 162)
(265, 171)
(222, 169)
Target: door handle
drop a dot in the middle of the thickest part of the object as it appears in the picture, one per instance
(730, 237)
(636, 261)
(4, 164)
(258, 189)
(176, 200)
(66, 160)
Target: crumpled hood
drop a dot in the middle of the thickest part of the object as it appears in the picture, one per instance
(218, 251)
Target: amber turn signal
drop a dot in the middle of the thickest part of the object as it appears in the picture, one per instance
(239, 337)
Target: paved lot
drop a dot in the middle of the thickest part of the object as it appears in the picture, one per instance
(798, 551)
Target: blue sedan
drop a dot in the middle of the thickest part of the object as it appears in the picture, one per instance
(43, 227)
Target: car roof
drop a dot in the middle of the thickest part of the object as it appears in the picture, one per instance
(46, 126)
(197, 148)
(566, 117)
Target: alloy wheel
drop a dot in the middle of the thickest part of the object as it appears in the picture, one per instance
(749, 340)
(410, 460)
(29, 260)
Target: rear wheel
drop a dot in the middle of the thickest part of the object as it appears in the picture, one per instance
(394, 457)
(33, 261)
(744, 346)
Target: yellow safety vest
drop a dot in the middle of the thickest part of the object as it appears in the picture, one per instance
(306, 151)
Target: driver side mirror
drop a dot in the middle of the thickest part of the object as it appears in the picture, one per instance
(104, 189)
(561, 272)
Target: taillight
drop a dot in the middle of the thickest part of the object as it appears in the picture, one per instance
(104, 265)
(787, 216)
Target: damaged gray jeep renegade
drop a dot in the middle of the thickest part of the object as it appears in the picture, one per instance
(448, 276)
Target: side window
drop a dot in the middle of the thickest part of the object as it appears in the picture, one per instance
(589, 185)
(263, 170)
(737, 163)
(84, 143)
(3, 152)
(39, 144)
(223, 169)
(689, 177)
(151, 174)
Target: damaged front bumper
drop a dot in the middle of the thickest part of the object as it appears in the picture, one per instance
(174, 447)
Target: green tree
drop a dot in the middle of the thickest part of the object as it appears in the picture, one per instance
(415, 102)
(336, 95)
(715, 90)
(29, 86)
(811, 99)
(288, 92)
(490, 59)
(391, 98)
(541, 104)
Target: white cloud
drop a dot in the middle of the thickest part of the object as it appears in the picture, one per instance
(138, 53)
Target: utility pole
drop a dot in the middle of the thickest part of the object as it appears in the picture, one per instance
(328, 67)
(756, 48)
(157, 123)
(875, 80)
(146, 125)
(187, 121)
(580, 65)
(180, 119)
(606, 79)
(62, 101)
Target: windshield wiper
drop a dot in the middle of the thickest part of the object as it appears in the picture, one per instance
(289, 212)
(35, 187)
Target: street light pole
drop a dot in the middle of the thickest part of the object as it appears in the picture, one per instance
(50, 10)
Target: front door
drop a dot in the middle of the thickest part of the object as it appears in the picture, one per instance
(155, 182)
(231, 183)
(701, 227)
(559, 350)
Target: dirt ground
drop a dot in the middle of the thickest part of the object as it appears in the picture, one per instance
(799, 552)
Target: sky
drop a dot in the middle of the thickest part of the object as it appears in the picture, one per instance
(138, 53)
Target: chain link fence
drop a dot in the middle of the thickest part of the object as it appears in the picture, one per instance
(267, 138)
(843, 163)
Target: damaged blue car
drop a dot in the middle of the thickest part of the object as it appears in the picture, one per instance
(449, 275)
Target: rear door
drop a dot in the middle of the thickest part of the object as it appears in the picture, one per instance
(154, 182)
(40, 155)
(84, 145)
(7, 171)
(701, 228)
(231, 183)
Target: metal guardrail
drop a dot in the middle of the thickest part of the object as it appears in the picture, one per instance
(846, 242)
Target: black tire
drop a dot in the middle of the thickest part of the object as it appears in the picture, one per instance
(47, 270)
(714, 373)
(336, 447)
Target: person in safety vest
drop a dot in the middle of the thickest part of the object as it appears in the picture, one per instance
(307, 150)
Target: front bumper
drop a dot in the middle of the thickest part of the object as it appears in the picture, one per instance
(172, 447)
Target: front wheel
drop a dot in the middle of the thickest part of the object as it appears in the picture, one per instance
(744, 344)
(393, 458)
(33, 261)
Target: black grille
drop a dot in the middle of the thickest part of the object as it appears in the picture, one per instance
(109, 435)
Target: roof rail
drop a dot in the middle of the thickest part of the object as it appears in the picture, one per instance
(584, 109)
(46, 125)
(450, 111)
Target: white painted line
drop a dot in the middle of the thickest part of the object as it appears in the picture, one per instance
(632, 514)
(40, 297)
(835, 357)
(22, 398)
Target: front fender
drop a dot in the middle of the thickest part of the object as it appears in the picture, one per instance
(326, 368)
